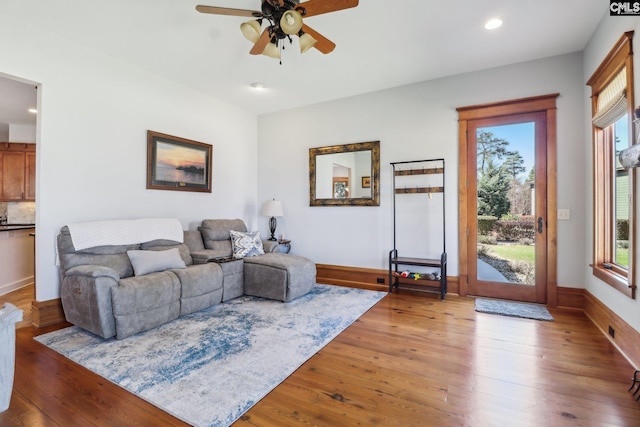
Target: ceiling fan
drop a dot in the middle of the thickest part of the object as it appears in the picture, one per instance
(284, 19)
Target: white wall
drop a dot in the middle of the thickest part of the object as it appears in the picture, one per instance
(607, 34)
(94, 112)
(412, 123)
(22, 133)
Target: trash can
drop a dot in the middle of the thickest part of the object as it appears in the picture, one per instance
(9, 316)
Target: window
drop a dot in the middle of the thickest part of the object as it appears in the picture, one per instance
(614, 186)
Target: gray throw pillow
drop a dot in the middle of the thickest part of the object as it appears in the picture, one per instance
(246, 244)
(145, 262)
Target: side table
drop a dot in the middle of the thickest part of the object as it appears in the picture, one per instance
(277, 246)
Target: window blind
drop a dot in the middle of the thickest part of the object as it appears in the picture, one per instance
(612, 101)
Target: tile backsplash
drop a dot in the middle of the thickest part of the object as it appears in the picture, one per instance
(19, 212)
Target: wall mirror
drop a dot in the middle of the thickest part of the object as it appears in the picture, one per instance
(345, 175)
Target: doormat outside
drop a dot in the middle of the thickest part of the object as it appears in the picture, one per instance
(513, 309)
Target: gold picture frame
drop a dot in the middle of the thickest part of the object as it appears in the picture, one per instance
(366, 182)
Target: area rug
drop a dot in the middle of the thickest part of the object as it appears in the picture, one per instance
(513, 309)
(209, 367)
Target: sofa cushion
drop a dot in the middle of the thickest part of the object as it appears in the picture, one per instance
(145, 262)
(246, 244)
(201, 287)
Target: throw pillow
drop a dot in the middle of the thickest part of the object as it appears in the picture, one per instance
(145, 262)
(246, 244)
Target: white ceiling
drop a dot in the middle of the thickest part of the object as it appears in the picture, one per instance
(380, 44)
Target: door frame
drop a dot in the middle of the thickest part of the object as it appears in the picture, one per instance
(546, 104)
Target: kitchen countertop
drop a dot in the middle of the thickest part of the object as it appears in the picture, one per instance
(12, 227)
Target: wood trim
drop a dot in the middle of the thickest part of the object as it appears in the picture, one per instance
(552, 207)
(46, 313)
(610, 65)
(364, 278)
(572, 298)
(27, 147)
(507, 108)
(626, 337)
(463, 183)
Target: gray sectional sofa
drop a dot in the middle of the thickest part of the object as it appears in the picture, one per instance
(120, 290)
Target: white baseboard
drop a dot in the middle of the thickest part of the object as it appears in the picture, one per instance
(10, 287)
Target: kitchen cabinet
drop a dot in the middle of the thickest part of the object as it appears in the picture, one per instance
(30, 176)
(17, 172)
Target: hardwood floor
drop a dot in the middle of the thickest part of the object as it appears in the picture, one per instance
(22, 299)
(409, 361)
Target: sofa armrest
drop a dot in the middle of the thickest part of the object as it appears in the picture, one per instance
(93, 271)
(86, 298)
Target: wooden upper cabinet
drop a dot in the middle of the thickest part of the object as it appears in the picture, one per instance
(30, 176)
(17, 172)
(13, 168)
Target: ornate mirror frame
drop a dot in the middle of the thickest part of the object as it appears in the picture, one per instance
(374, 200)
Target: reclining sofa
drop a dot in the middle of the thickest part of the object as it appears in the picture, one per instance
(119, 278)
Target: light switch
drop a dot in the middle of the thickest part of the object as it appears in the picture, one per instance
(564, 214)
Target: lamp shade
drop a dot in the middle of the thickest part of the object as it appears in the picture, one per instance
(291, 22)
(251, 30)
(272, 208)
(272, 51)
(306, 42)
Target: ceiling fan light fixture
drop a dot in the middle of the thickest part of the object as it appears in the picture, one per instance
(251, 30)
(306, 42)
(272, 51)
(291, 22)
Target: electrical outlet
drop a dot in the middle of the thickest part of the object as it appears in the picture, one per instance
(612, 332)
(380, 280)
(564, 214)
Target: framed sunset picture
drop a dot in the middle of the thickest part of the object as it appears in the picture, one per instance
(177, 164)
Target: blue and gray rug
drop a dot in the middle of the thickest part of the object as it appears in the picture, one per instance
(210, 367)
(513, 309)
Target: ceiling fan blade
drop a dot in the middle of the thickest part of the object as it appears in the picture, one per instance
(318, 7)
(228, 11)
(324, 45)
(262, 43)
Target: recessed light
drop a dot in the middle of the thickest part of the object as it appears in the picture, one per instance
(492, 24)
(257, 86)
(33, 110)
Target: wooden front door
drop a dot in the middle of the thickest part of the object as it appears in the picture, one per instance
(507, 218)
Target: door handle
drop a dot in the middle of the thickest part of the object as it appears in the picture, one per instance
(540, 222)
